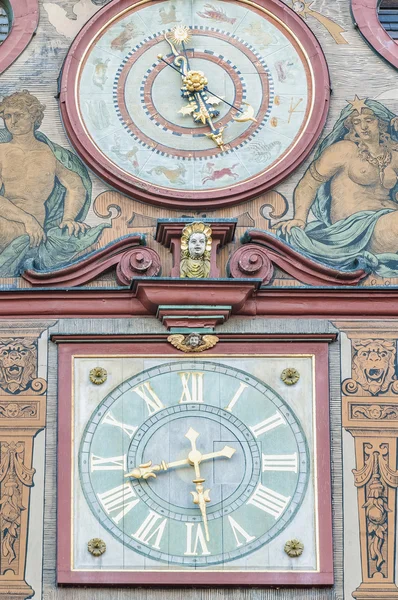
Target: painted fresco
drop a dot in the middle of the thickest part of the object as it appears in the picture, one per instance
(42, 208)
(351, 190)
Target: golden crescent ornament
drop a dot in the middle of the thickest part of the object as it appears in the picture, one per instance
(247, 115)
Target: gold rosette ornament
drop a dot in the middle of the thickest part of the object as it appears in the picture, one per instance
(294, 548)
(195, 81)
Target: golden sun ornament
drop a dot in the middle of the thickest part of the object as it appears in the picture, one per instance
(180, 34)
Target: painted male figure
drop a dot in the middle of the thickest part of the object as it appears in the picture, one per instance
(45, 192)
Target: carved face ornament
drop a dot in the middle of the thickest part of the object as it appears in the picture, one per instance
(373, 365)
(17, 365)
(197, 245)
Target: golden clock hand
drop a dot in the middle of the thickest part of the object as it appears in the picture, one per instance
(147, 470)
(201, 496)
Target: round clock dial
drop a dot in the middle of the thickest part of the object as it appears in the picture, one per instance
(191, 103)
(202, 463)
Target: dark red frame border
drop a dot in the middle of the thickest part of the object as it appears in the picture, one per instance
(180, 199)
(367, 21)
(25, 18)
(68, 577)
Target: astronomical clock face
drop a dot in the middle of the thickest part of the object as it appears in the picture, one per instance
(194, 464)
(193, 103)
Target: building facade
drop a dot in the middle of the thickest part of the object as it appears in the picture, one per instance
(198, 299)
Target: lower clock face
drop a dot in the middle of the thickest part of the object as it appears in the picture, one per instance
(242, 129)
(194, 463)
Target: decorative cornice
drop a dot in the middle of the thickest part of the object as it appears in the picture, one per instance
(129, 255)
(271, 250)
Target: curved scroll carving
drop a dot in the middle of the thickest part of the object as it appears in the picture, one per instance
(374, 411)
(138, 262)
(127, 254)
(251, 261)
(292, 262)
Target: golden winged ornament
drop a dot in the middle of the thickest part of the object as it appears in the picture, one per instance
(193, 342)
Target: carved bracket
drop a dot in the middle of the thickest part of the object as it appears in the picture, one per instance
(266, 250)
(169, 231)
(129, 255)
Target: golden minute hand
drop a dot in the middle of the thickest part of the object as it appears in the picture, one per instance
(200, 496)
(147, 470)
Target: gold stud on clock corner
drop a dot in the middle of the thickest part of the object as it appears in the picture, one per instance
(294, 548)
(290, 376)
(98, 375)
(96, 547)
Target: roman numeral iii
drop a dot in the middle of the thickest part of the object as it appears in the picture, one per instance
(280, 462)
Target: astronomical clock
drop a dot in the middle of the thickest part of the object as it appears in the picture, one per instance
(184, 470)
(187, 104)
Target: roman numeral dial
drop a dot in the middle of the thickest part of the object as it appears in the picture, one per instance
(193, 463)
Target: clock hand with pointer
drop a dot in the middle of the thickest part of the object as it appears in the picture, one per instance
(195, 90)
(200, 496)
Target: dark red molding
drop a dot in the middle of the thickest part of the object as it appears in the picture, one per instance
(25, 18)
(127, 255)
(65, 573)
(257, 259)
(210, 199)
(367, 20)
(288, 302)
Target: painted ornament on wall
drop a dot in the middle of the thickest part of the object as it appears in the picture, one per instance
(345, 206)
(304, 9)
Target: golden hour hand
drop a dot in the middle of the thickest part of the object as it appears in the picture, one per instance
(147, 470)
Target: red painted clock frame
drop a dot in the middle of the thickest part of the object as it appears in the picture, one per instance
(180, 199)
(70, 346)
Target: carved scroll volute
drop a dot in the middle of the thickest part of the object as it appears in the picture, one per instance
(138, 262)
(251, 261)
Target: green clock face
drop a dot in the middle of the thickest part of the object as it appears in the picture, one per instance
(194, 463)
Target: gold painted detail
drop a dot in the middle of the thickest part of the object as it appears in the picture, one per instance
(290, 376)
(294, 548)
(147, 470)
(193, 342)
(374, 411)
(196, 244)
(376, 476)
(373, 368)
(13, 476)
(98, 375)
(195, 81)
(96, 547)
